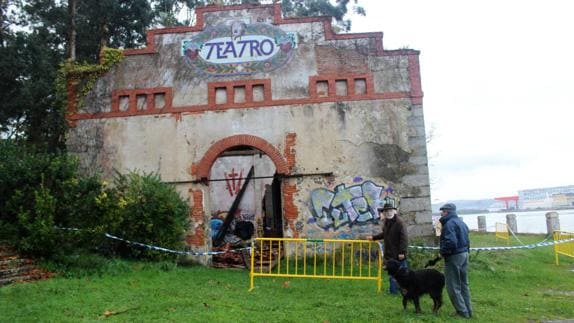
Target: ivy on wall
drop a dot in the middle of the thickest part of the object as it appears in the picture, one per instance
(83, 76)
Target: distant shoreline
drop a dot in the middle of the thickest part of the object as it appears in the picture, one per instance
(463, 211)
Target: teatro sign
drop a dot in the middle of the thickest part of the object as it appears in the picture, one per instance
(239, 49)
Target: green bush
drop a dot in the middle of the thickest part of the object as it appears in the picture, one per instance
(41, 194)
(23, 171)
(143, 209)
(84, 210)
(35, 224)
(32, 195)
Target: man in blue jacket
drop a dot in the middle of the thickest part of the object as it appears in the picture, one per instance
(454, 247)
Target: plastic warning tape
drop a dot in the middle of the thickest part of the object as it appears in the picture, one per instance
(188, 253)
(152, 247)
(529, 246)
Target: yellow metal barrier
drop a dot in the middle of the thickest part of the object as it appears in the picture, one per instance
(502, 231)
(565, 249)
(311, 258)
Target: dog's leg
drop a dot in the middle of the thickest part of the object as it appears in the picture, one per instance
(417, 305)
(405, 302)
(437, 302)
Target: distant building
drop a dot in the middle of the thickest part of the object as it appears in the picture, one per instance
(563, 200)
(560, 196)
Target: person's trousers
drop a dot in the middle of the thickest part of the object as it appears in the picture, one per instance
(394, 287)
(455, 270)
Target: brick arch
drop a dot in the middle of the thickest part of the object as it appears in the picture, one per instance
(217, 148)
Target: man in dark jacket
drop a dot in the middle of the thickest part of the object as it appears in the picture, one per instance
(454, 247)
(395, 240)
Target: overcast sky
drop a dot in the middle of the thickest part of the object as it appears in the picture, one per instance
(498, 82)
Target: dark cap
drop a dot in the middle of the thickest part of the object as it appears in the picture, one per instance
(385, 207)
(448, 207)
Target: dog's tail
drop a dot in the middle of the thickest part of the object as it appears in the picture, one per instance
(433, 262)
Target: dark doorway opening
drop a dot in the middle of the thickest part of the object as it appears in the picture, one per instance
(245, 194)
(273, 214)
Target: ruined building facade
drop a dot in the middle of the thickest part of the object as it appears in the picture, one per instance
(332, 124)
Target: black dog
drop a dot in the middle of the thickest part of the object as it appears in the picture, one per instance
(417, 283)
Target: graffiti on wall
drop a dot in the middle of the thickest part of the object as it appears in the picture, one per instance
(347, 206)
(233, 181)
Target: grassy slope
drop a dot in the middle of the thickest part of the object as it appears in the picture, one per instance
(508, 286)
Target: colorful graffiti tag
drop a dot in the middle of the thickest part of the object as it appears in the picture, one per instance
(351, 205)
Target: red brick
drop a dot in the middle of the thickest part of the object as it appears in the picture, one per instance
(415, 79)
(331, 60)
(290, 210)
(197, 216)
(216, 149)
(278, 20)
(289, 151)
(346, 70)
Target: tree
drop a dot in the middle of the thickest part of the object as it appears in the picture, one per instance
(72, 30)
(111, 23)
(29, 58)
(168, 10)
(307, 8)
(28, 65)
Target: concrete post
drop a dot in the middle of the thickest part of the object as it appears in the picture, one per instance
(511, 222)
(481, 223)
(552, 222)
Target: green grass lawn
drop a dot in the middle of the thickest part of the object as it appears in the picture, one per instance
(506, 286)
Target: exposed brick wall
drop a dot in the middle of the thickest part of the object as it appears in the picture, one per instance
(332, 60)
(330, 34)
(230, 89)
(193, 169)
(197, 216)
(149, 95)
(289, 151)
(72, 107)
(217, 148)
(290, 210)
(283, 165)
(350, 80)
(415, 79)
(267, 101)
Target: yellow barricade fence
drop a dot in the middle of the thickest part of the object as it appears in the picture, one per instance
(565, 249)
(316, 258)
(502, 231)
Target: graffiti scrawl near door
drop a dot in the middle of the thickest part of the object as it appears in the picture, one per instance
(351, 205)
(233, 181)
